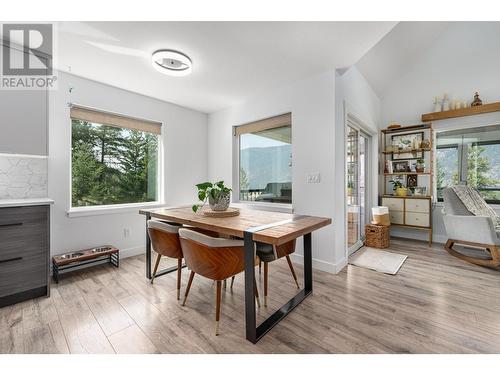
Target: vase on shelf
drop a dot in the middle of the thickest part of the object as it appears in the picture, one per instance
(446, 103)
(437, 104)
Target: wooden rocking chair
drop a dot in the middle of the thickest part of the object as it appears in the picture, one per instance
(464, 228)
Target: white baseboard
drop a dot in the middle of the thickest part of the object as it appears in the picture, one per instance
(132, 251)
(321, 265)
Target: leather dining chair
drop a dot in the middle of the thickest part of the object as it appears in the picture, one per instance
(165, 242)
(214, 258)
(268, 253)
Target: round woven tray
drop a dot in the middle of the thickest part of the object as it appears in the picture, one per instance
(231, 211)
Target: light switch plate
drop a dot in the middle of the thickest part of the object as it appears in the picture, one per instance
(314, 178)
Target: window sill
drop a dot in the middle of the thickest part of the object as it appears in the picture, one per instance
(273, 207)
(110, 209)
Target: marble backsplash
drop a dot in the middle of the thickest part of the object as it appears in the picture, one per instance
(22, 176)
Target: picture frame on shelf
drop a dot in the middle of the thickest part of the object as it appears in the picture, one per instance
(411, 181)
(410, 141)
(400, 166)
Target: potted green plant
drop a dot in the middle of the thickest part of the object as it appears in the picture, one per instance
(420, 165)
(398, 187)
(217, 194)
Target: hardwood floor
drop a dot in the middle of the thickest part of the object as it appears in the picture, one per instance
(435, 304)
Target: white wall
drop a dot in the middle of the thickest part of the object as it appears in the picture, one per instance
(355, 95)
(184, 137)
(312, 104)
(463, 60)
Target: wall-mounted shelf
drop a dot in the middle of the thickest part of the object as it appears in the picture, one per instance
(406, 151)
(470, 111)
(406, 173)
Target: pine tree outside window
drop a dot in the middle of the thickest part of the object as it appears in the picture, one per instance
(112, 164)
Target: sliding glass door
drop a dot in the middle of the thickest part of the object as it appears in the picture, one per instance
(356, 185)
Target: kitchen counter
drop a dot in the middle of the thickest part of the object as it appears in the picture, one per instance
(25, 202)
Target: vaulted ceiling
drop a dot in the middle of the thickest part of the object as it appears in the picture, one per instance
(232, 61)
(397, 51)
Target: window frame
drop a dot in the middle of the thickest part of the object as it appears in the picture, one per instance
(106, 209)
(271, 206)
(462, 167)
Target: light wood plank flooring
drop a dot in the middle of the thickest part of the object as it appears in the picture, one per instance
(435, 304)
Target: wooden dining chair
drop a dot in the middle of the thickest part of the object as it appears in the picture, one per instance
(268, 253)
(214, 258)
(165, 242)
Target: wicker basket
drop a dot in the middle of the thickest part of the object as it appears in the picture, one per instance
(377, 236)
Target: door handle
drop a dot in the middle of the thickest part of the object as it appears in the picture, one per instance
(10, 259)
(10, 224)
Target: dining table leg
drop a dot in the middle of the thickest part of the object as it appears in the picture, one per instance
(148, 248)
(250, 314)
(253, 332)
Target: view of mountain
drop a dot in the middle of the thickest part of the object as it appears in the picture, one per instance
(263, 165)
(447, 160)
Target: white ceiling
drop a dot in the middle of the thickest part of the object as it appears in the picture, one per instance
(232, 61)
(397, 51)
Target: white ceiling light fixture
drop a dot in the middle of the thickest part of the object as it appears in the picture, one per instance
(172, 63)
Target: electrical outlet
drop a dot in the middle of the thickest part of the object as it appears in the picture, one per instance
(126, 232)
(314, 178)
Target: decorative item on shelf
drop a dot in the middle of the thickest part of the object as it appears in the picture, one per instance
(425, 144)
(412, 181)
(464, 104)
(401, 166)
(399, 189)
(407, 142)
(437, 104)
(446, 103)
(386, 166)
(420, 191)
(390, 167)
(420, 166)
(217, 194)
(476, 100)
(393, 125)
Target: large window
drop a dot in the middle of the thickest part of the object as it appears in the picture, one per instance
(113, 164)
(470, 157)
(265, 156)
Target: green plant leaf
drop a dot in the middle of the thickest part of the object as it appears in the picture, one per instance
(213, 193)
(195, 207)
(202, 195)
(204, 185)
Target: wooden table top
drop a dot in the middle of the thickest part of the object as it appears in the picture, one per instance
(285, 227)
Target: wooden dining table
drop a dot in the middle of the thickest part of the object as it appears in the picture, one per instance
(274, 228)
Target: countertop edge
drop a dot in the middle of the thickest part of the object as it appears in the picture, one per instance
(25, 202)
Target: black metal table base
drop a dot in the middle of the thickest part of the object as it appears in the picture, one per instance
(253, 332)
